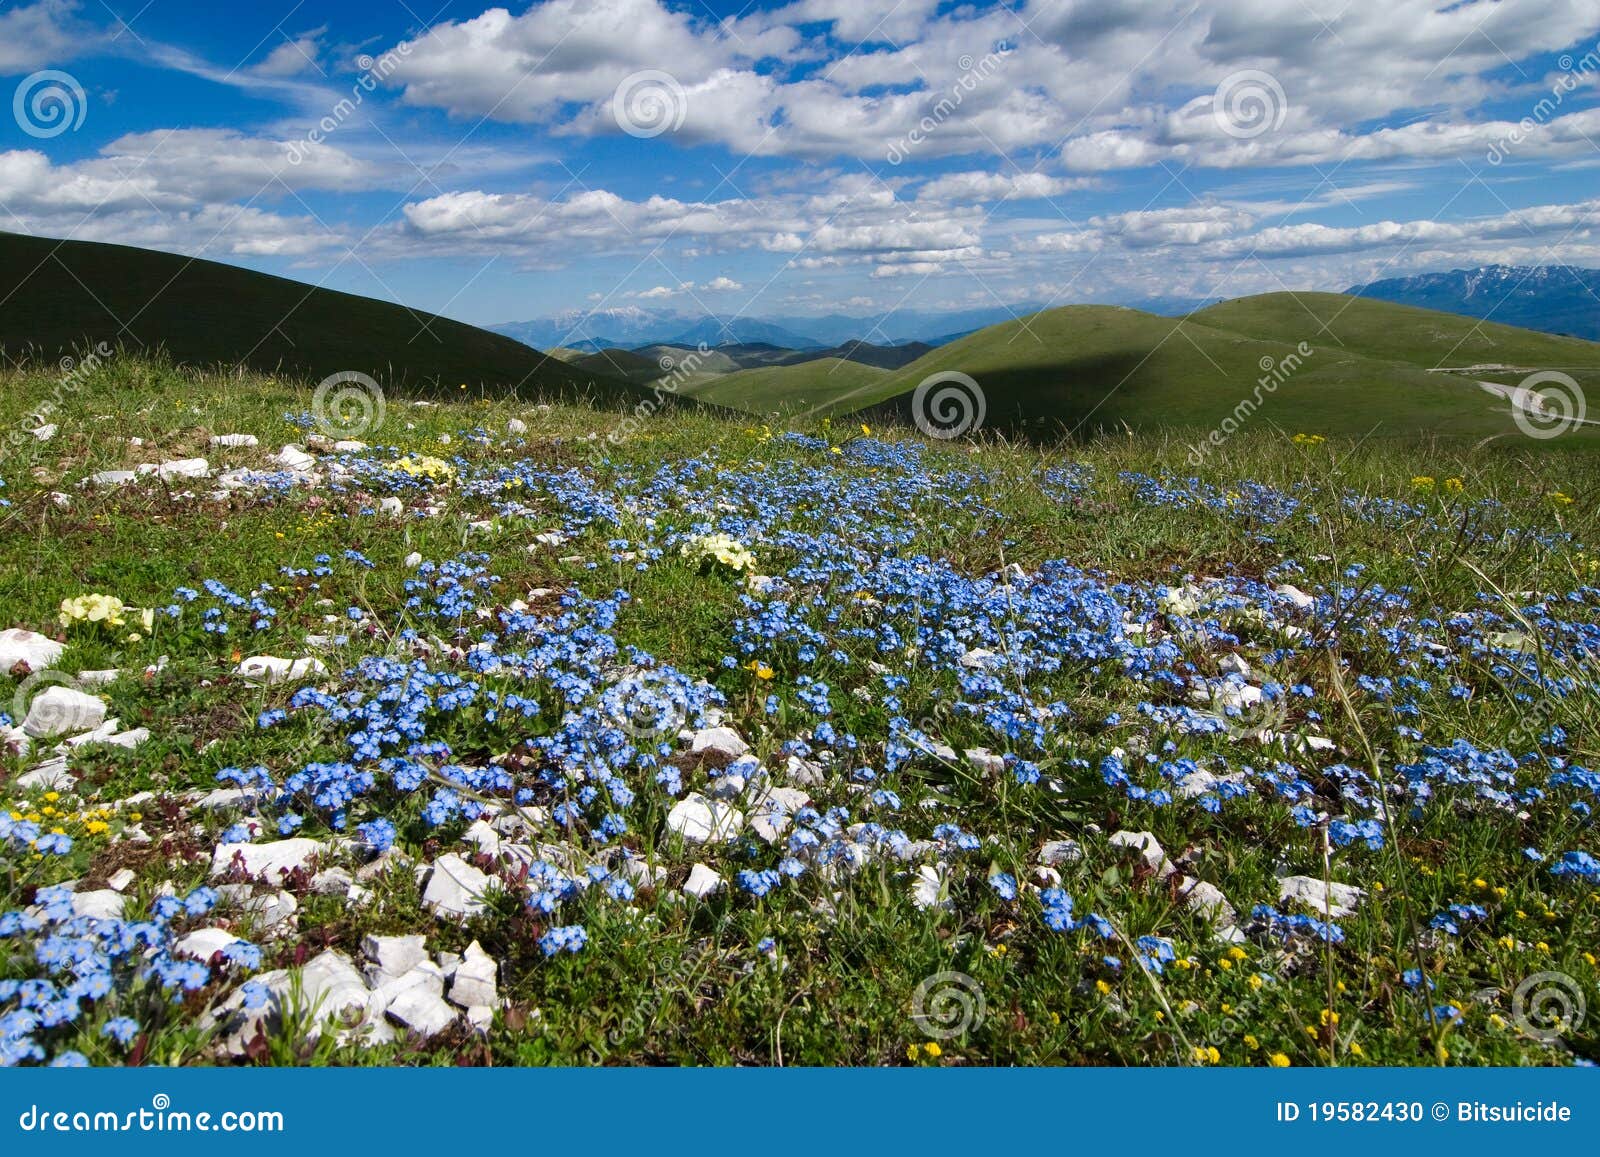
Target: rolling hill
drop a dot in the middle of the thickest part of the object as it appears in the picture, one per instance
(58, 297)
(1560, 299)
(1088, 368)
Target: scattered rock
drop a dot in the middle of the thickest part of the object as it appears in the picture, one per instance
(178, 468)
(103, 904)
(59, 710)
(1149, 850)
(51, 775)
(121, 879)
(1324, 900)
(235, 441)
(111, 478)
(394, 508)
(986, 761)
(473, 984)
(516, 426)
(272, 915)
(700, 820)
(36, 651)
(421, 1012)
(271, 669)
(718, 743)
(455, 888)
(270, 860)
(292, 457)
(1058, 852)
(928, 887)
(774, 810)
(98, 678)
(703, 882)
(203, 943)
(392, 956)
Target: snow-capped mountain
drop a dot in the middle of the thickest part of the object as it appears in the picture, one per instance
(1559, 299)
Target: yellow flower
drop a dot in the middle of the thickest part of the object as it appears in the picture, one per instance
(1278, 1060)
(95, 608)
(1559, 499)
(52, 796)
(1102, 987)
(1207, 1055)
(933, 1050)
(866, 430)
(912, 1051)
(1454, 485)
(1224, 962)
(1329, 1017)
(1237, 953)
(1422, 482)
(1256, 982)
(1355, 1049)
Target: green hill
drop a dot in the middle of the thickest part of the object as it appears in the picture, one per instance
(1087, 368)
(796, 389)
(619, 363)
(1403, 333)
(59, 297)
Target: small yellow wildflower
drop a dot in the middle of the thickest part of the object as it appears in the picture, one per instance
(1250, 1041)
(1207, 1055)
(1454, 485)
(1422, 482)
(1557, 498)
(1237, 953)
(933, 1050)
(1102, 987)
(1279, 1060)
(912, 1052)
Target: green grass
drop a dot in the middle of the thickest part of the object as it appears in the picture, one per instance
(676, 982)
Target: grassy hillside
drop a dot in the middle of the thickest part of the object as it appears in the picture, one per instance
(885, 357)
(59, 297)
(1403, 333)
(624, 364)
(814, 385)
(1088, 368)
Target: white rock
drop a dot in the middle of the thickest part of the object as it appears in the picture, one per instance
(332, 882)
(103, 904)
(774, 810)
(986, 761)
(52, 775)
(804, 773)
(1298, 597)
(271, 860)
(60, 710)
(177, 468)
(111, 478)
(455, 888)
(700, 820)
(349, 446)
(273, 914)
(421, 1012)
(723, 742)
(394, 508)
(927, 888)
(64, 501)
(45, 432)
(19, 646)
(119, 880)
(473, 985)
(516, 426)
(203, 943)
(224, 798)
(235, 441)
(703, 882)
(1149, 850)
(1325, 900)
(98, 678)
(979, 658)
(271, 669)
(413, 560)
(1232, 664)
(1208, 901)
(1058, 852)
(292, 457)
(392, 956)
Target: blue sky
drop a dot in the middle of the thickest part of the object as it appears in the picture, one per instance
(822, 156)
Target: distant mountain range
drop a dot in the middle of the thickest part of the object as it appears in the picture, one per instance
(1559, 299)
(633, 327)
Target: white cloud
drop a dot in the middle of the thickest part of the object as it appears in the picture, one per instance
(723, 285)
(42, 35)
